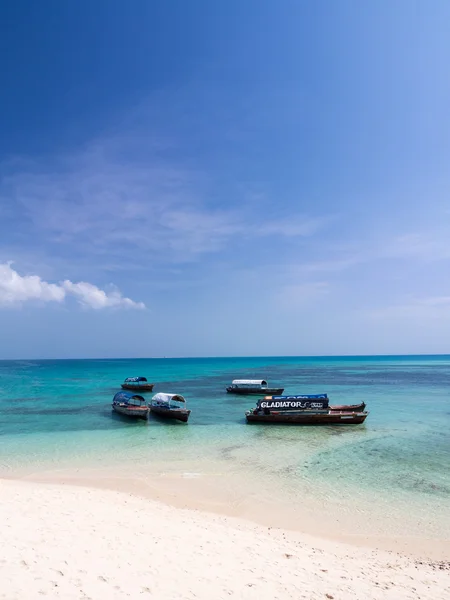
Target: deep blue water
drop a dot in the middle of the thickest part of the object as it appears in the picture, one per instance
(58, 412)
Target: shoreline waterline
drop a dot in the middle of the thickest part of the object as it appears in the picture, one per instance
(221, 492)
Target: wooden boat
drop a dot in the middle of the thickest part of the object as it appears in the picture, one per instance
(307, 417)
(348, 407)
(255, 387)
(302, 410)
(170, 406)
(323, 398)
(130, 405)
(137, 384)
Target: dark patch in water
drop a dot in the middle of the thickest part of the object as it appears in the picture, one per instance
(422, 485)
(124, 419)
(225, 452)
(57, 410)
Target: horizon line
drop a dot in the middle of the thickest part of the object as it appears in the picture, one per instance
(229, 356)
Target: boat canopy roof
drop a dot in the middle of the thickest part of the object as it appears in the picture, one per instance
(167, 398)
(127, 396)
(135, 379)
(249, 382)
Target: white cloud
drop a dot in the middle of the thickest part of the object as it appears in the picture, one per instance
(419, 248)
(93, 297)
(16, 289)
(105, 204)
(336, 265)
(432, 307)
(425, 245)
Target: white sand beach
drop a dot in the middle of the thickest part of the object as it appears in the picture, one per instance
(62, 541)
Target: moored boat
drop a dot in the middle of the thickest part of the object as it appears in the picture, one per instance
(130, 405)
(137, 384)
(255, 387)
(308, 417)
(170, 406)
(302, 410)
(348, 407)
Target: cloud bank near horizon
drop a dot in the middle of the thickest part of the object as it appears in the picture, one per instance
(16, 289)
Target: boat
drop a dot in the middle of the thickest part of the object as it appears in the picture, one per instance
(170, 406)
(328, 417)
(348, 407)
(255, 387)
(137, 383)
(311, 409)
(130, 405)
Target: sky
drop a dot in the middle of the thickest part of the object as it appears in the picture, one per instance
(258, 177)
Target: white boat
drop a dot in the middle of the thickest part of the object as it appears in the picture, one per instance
(255, 387)
(170, 406)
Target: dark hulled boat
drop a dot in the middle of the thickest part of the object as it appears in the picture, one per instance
(303, 410)
(348, 407)
(308, 417)
(130, 405)
(137, 384)
(254, 387)
(170, 406)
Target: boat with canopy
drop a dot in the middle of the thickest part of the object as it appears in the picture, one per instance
(308, 409)
(130, 405)
(170, 406)
(137, 384)
(255, 387)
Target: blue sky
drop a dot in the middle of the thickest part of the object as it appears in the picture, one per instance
(238, 178)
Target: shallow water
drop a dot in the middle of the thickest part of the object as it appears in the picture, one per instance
(57, 414)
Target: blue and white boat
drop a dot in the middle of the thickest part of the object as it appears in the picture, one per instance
(254, 387)
(130, 405)
(170, 406)
(137, 384)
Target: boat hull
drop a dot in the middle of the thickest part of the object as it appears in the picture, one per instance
(178, 414)
(348, 407)
(143, 387)
(256, 391)
(135, 412)
(322, 418)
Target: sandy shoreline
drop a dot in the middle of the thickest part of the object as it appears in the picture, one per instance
(63, 541)
(371, 526)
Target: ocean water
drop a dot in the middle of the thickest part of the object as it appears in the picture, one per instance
(57, 414)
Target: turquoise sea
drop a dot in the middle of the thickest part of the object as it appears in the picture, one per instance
(56, 414)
